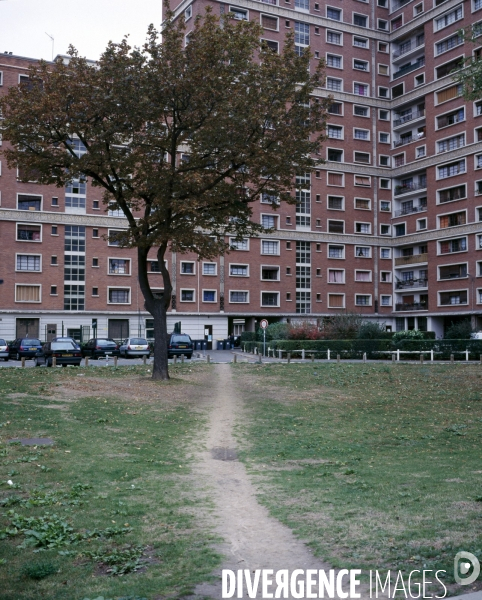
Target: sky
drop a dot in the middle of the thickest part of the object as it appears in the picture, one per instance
(86, 24)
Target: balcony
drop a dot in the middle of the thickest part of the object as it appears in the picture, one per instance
(409, 68)
(409, 46)
(414, 114)
(408, 140)
(400, 261)
(411, 283)
(411, 306)
(409, 210)
(398, 4)
(407, 188)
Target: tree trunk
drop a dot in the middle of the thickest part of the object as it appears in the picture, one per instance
(160, 369)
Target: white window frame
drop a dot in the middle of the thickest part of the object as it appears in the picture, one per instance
(453, 9)
(387, 74)
(271, 242)
(209, 301)
(274, 216)
(193, 290)
(233, 242)
(339, 79)
(450, 239)
(17, 254)
(359, 184)
(380, 133)
(189, 262)
(369, 232)
(37, 285)
(382, 25)
(335, 282)
(370, 275)
(335, 196)
(236, 264)
(109, 258)
(109, 233)
(361, 139)
(367, 116)
(210, 274)
(355, 207)
(337, 221)
(367, 70)
(386, 257)
(240, 9)
(384, 95)
(261, 267)
(362, 162)
(360, 37)
(269, 28)
(389, 303)
(362, 256)
(422, 153)
(337, 9)
(342, 246)
(437, 172)
(437, 197)
(463, 210)
(388, 187)
(354, 13)
(336, 307)
(188, 13)
(369, 301)
(384, 110)
(467, 303)
(339, 127)
(340, 33)
(238, 291)
(269, 292)
(119, 287)
(419, 224)
(40, 196)
(366, 85)
(389, 232)
(29, 225)
(327, 54)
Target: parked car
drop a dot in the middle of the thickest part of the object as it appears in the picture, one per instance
(64, 352)
(100, 347)
(476, 336)
(66, 339)
(179, 343)
(4, 349)
(132, 347)
(27, 347)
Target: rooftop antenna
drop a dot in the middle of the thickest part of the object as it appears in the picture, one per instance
(52, 40)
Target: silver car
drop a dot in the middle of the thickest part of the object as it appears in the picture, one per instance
(134, 347)
(3, 349)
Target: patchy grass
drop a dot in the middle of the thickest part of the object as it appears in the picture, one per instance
(377, 466)
(109, 510)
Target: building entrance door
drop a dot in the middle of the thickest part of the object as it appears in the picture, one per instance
(208, 336)
(27, 328)
(50, 332)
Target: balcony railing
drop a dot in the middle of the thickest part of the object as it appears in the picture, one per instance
(407, 188)
(408, 211)
(411, 283)
(410, 260)
(406, 48)
(415, 114)
(408, 140)
(407, 69)
(412, 306)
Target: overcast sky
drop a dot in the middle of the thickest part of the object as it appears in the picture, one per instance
(87, 24)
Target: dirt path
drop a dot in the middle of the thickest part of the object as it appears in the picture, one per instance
(253, 539)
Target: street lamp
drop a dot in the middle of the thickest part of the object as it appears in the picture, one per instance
(471, 305)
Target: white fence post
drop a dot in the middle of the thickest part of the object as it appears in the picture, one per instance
(328, 351)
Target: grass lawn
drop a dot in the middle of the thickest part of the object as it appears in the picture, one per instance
(376, 466)
(110, 509)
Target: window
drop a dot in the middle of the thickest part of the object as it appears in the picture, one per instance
(361, 111)
(360, 65)
(452, 143)
(95, 291)
(385, 206)
(333, 37)
(384, 115)
(399, 229)
(397, 23)
(360, 89)
(384, 229)
(335, 132)
(269, 247)
(335, 202)
(383, 92)
(95, 262)
(53, 290)
(74, 267)
(451, 118)
(452, 42)
(363, 251)
(336, 300)
(399, 160)
(187, 295)
(360, 20)
(29, 233)
(27, 293)
(448, 68)
(398, 90)
(335, 179)
(269, 198)
(421, 224)
(451, 169)
(457, 297)
(29, 202)
(362, 203)
(54, 230)
(360, 42)
(363, 228)
(53, 261)
(269, 22)
(119, 266)
(448, 18)
(302, 37)
(269, 221)
(336, 276)
(382, 24)
(209, 268)
(335, 155)
(55, 201)
(114, 237)
(385, 184)
(385, 253)
(238, 296)
(336, 251)
(239, 13)
(385, 300)
(119, 295)
(363, 180)
(363, 275)
(334, 61)
(420, 151)
(239, 270)
(269, 298)
(451, 246)
(363, 300)
(239, 244)
(209, 295)
(187, 268)
(269, 273)
(95, 233)
(335, 108)
(334, 84)
(361, 157)
(452, 220)
(336, 226)
(333, 13)
(361, 134)
(384, 138)
(29, 262)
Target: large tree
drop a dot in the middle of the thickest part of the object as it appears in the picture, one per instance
(182, 134)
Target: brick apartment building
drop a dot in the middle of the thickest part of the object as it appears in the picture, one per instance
(389, 226)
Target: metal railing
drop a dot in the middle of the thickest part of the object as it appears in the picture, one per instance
(409, 47)
(410, 283)
(410, 260)
(408, 211)
(404, 70)
(408, 140)
(415, 114)
(412, 306)
(412, 187)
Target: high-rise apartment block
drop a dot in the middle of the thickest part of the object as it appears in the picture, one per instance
(388, 226)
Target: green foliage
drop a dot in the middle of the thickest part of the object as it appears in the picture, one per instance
(276, 331)
(305, 331)
(248, 336)
(373, 330)
(119, 561)
(410, 334)
(39, 569)
(461, 330)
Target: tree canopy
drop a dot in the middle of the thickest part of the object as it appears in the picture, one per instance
(183, 135)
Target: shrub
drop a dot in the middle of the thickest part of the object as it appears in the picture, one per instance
(411, 334)
(370, 330)
(39, 570)
(344, 326)
(305, 331)
(459, 331)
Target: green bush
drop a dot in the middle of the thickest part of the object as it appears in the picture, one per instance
(459, 331)
(248, 336)
(411, 334)
(371, 330)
